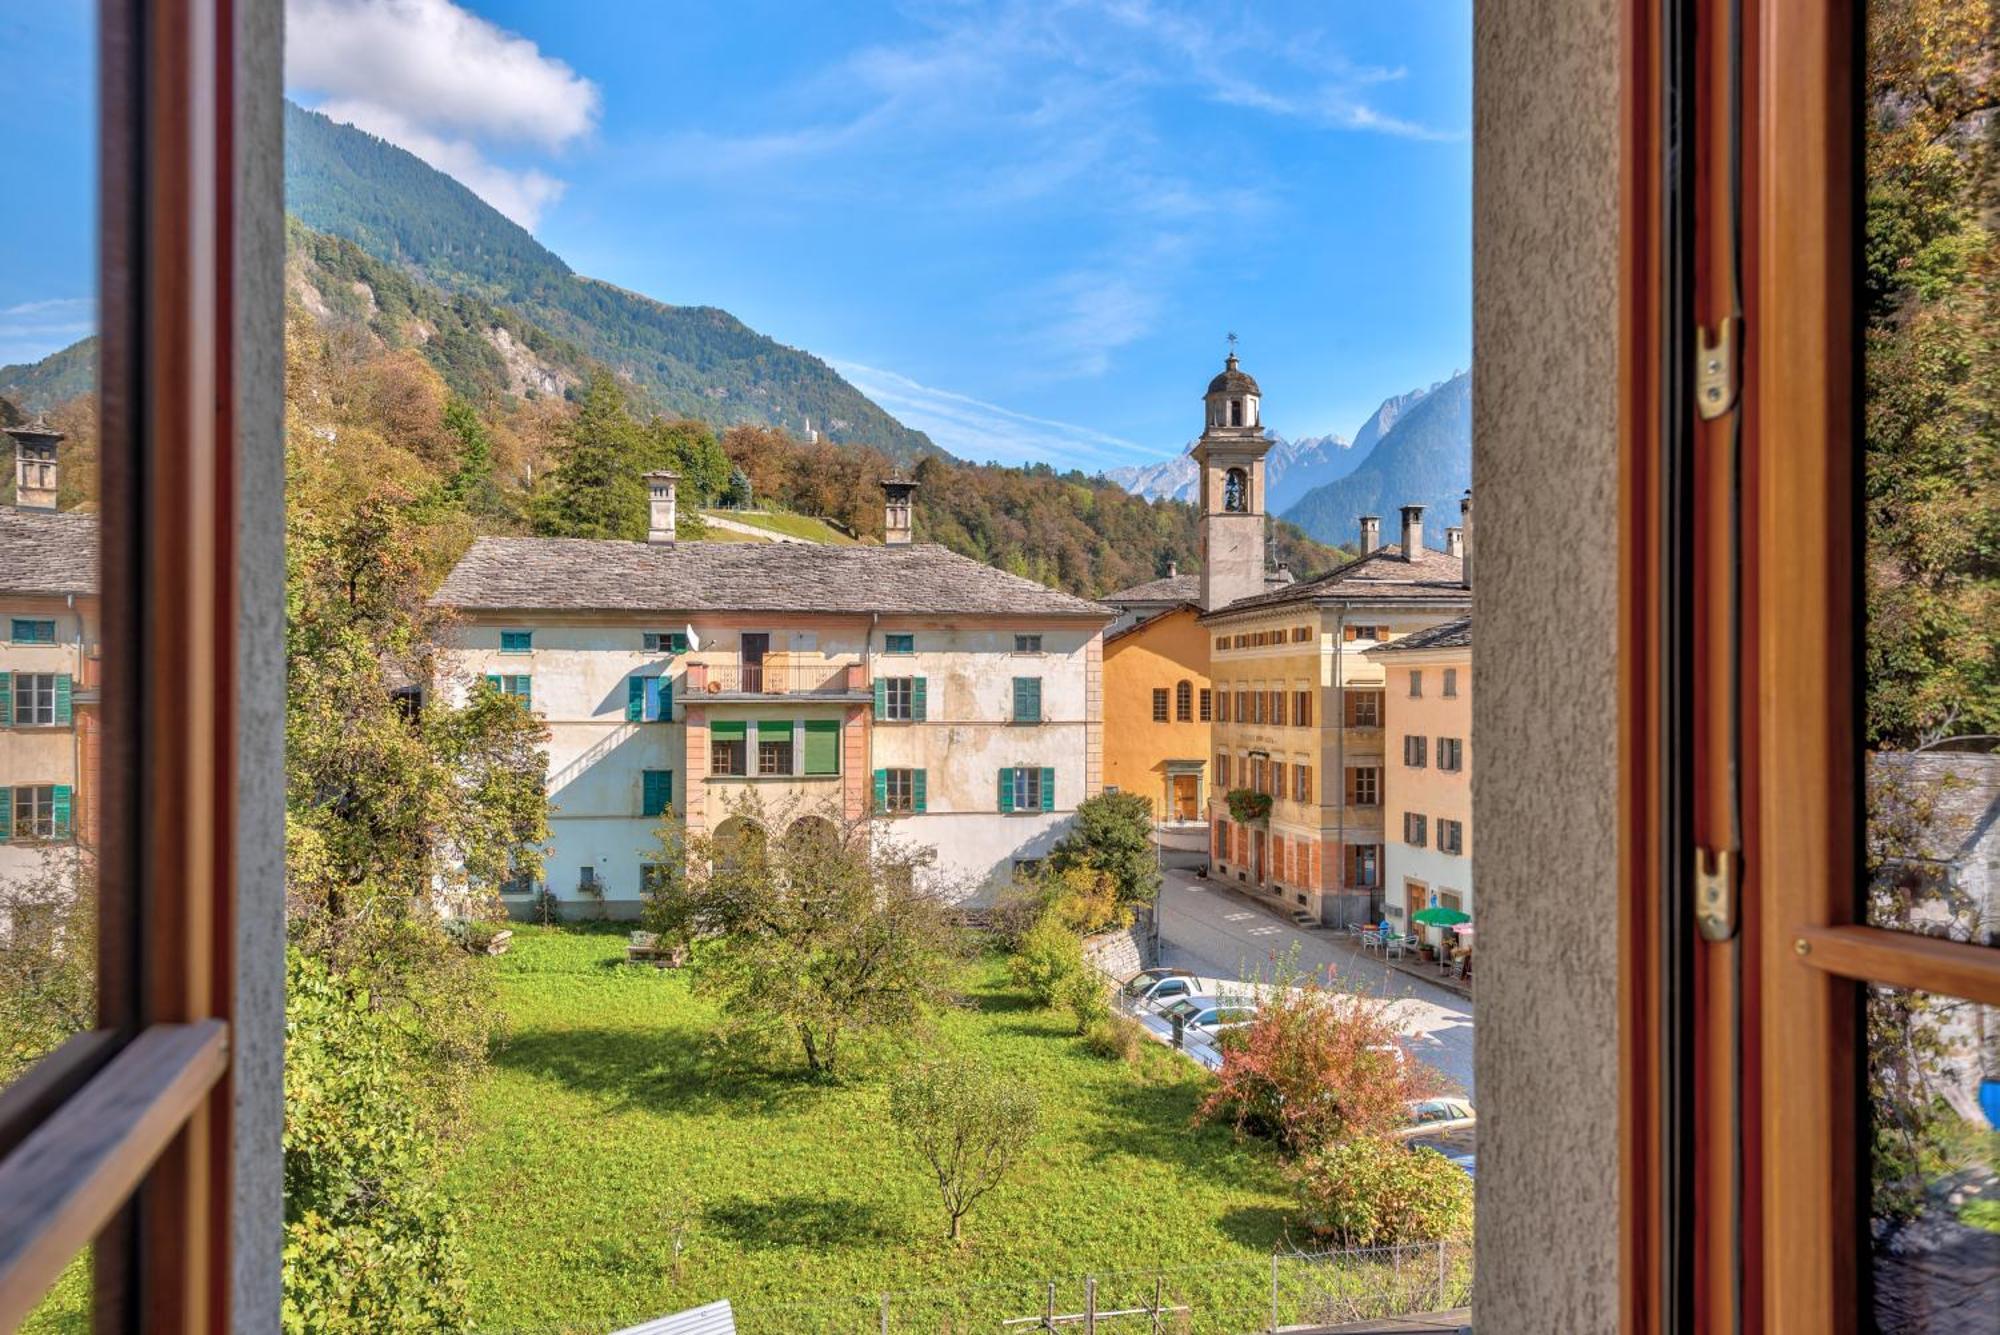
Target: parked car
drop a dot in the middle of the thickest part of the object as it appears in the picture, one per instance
(1436, 1116)
(1455, 1145)
(1207, 1013)
(1165, 991)
(1141, 982)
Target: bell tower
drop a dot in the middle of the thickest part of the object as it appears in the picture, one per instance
(1230, 455)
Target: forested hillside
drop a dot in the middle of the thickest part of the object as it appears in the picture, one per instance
(692, 361)
(39, 386)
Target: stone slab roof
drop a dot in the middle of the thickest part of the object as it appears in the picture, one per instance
(1957, 794)
(1136, 618)
(1172, 589)
(1381, 577)
(47, 551)
(1450, 635)
(588, 574)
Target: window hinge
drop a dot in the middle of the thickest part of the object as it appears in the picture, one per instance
(1715, 370)
(1715, 893)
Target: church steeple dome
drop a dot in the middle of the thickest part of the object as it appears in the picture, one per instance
(1233, 397)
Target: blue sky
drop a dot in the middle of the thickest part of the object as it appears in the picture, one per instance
(1025, 228)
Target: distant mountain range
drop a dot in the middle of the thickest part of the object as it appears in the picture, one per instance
(1292, 468)
(1416, 449)
(693, 361)
(1423, 457)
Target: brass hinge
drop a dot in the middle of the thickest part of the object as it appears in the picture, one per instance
(1715, 893)
(1715, 370)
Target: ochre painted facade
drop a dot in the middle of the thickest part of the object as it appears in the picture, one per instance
(1429, 735)
(1159, 666)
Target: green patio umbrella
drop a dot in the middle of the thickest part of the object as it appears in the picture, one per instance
(1440, 917)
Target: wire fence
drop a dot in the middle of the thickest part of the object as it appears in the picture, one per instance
(1287, 1292)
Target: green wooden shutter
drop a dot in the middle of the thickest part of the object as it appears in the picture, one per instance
(917, 789)
(527, 692)
(666, 699)
(62, 810)
(635, 699)
(6, 699)
(6, 813)
(493, 680)
(1006, 790)
(1048, 790)
(657, 793)
(677, 642)
(822, 746)
(64, 712)
(1027, 699)
(917, 709)
(881, 790)
(881, 697)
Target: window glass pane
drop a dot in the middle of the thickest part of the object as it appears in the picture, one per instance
(1931, 420)
(1934, 1184)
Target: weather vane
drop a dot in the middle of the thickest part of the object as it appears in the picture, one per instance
(1232, 342)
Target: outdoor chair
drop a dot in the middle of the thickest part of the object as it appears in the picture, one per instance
(1371, 941)
(1394, 946)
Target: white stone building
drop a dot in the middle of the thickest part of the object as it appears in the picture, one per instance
(960, 706)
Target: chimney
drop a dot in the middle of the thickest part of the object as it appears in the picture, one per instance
(897, 523)
(1454, 542)
(1173, 569)
(660, 504)
(35, 471)
(1465, 530)
(1371, 533)
(1413, 532)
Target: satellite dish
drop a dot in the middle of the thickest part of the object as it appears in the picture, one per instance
(694, 640)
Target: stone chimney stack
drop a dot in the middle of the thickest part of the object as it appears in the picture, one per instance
(660, 490)
(1454, 542)
(898, 521)
(1413, 532)
(1465, 530)
(35, 470)
(1371, 533)
(1173, 569)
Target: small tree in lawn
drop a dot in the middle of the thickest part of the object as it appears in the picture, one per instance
(1316, 1067)
(968, 1123)
(810, 935)
(1113, 833)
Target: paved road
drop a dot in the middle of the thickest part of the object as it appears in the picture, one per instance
(1211, 931)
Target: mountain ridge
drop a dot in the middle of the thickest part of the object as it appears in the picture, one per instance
(699, 362)
(1423, 458)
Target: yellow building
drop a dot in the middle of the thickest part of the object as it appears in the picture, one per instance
(1156, 708)
(1298, 721)
(1427, 807)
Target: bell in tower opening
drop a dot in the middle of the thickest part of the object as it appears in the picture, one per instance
(1230, 455)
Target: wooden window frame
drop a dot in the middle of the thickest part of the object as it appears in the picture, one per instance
(1744, 1134)
(125, 1137)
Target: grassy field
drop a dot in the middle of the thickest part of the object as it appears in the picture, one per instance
(791, 525)
(609, 1117)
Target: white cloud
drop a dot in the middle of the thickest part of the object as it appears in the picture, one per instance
(445, 84)
(31, 330)
(973, 429)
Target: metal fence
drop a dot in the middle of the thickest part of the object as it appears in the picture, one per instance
(1287, 1292)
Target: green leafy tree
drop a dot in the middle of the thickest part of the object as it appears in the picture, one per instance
(1049, 955)
(598, 490)
(968, 1123)
(1372, 1192)
(810, 938)
(48, 959)
(370, 1241)
(1113, 834)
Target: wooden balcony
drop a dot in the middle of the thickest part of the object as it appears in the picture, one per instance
(779, 677)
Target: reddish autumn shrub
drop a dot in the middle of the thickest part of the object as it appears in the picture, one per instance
(1316, 1067)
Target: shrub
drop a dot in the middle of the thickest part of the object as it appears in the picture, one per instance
(1375, 1193)
(1113, 835)
(1247, 806)
(1086, 995)
(1316, 1067)
(1049, 956)
(967, 1122)
(1116, 1038)
(545, 908)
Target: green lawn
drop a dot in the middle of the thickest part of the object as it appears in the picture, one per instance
(778, 521)
(608, 1113)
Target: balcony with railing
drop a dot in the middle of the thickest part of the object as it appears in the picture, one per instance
(777, 675)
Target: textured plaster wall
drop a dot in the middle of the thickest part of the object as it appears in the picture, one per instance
(1545, 338)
